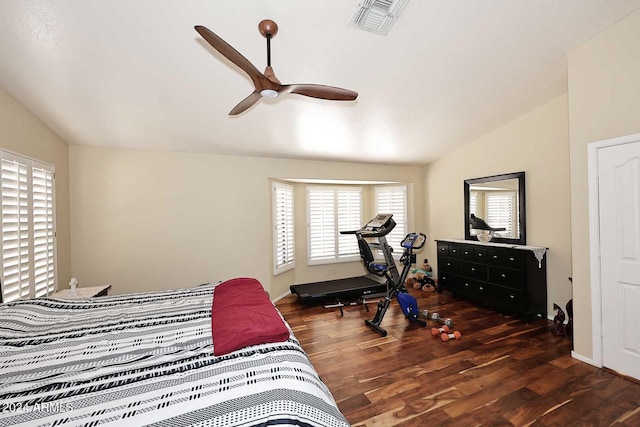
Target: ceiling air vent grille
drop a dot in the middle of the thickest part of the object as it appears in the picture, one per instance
(378, 16)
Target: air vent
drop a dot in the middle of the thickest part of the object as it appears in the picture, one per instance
(378, 16)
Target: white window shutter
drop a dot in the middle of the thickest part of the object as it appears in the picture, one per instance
(329, 211)
(349, 218)
(321, 216)
(393, 200)
(43, 232)
(473, 203)
(15, 230)
(501, 211)
(283, 228)
(27, 229)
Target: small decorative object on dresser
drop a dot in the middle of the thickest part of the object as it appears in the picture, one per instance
(82, 293)
(509, 277)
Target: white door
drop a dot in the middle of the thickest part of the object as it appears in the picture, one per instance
(619, 204)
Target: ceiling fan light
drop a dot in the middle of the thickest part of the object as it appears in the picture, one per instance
(268, 93)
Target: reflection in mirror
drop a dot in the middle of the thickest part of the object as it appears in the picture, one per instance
(496, 204)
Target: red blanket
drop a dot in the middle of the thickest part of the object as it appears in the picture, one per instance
(242, 315)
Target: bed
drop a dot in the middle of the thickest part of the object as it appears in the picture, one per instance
(148, 359)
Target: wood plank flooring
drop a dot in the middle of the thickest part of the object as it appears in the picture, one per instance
(502, 372)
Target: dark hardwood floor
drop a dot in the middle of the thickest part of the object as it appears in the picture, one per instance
(502, 372)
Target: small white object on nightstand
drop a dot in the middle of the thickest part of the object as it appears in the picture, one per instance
(72, 284)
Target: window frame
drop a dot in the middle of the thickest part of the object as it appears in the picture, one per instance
(335, 258)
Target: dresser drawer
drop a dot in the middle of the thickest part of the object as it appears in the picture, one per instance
(449, 250)
(448, 281)
(505, 257)
(449, 265)
(454, 250)
(505, 297)
(506, 277)
(443, 249)
(474, 253)
(466, 253)
(473, 270)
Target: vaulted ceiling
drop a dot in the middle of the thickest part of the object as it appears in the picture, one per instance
(135, 74)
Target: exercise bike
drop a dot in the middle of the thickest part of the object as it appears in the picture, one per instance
(395, 282)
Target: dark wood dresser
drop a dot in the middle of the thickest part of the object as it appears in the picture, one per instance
(510, 278)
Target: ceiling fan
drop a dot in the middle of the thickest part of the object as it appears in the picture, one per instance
(267, 84)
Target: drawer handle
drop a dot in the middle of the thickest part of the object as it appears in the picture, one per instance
(479, 254)
(448, 264)
(503, 275)
(511, 259)
(473, 269)
(454, 250)
(512, 296)
(495, 257)
(481, 288)
(466, 284)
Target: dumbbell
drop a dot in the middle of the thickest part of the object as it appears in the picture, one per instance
(437, 331)
(454, 336)
(424, 314)
(436, 318)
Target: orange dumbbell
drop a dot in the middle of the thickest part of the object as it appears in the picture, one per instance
(437, 331)
(454, 336)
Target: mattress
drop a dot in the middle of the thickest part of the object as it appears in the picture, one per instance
(147, 359)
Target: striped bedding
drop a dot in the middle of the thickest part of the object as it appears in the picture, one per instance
(147, 359)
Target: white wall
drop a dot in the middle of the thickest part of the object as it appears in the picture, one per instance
(536, 143)
(604, 102)
(145, 220)
(23, 133)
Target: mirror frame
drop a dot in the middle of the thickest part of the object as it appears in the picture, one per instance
(521, 200)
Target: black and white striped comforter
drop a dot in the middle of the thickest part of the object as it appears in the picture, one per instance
(147, 358)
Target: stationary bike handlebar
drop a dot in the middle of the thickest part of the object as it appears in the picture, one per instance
(414, 241)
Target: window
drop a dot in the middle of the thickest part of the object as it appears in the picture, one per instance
(27, 229)
(473, 203)
(283, 234)
(393, 200)
(501, 211)
(329, 211)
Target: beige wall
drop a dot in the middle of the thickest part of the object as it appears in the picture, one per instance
(145, 220)
(537, 143)
(604, 102)
(22, 133)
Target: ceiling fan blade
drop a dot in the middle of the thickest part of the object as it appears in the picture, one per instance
(320, 91)
(245, 103)
(259, 80)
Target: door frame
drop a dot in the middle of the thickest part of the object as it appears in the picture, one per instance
(594, 239)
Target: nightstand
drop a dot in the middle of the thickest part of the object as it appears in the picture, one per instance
(82, 293)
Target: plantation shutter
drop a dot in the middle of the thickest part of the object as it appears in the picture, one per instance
(15, 230)
(27, 228)
(329, 210)
(43, 232)
(349, 218)
(473, 203)
(321, 212)
(283, 231)
(501, 211)
(393, 200)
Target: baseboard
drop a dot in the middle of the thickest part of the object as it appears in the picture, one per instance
(278, 298)
(584, 359)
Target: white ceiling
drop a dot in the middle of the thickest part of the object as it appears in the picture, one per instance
(134, 73)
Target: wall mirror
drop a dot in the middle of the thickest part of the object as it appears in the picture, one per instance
(499, 202)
